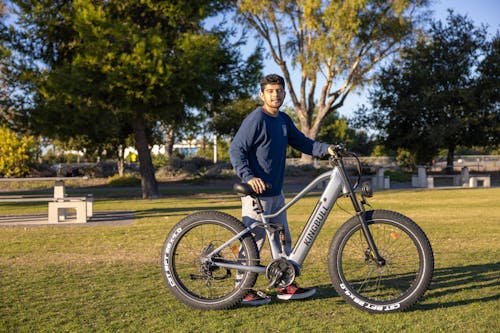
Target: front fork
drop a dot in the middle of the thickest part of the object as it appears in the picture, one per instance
(369, 239)
(360, 213)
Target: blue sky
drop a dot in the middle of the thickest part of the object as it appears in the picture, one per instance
(479, 11)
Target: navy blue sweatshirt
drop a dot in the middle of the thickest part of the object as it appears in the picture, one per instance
(259, 148)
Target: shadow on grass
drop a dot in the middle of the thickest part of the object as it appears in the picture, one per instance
(479, 283)
(482, 282)
(177, 211)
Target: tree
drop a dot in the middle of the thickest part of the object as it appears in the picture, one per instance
(334, 44)
(488, 96)
(427, 100)
(337, 129)
(114, 66)
(228, 118)
(237, 99)
(16, 153)
(229, 99)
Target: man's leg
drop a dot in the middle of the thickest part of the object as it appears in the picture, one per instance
(277, 204)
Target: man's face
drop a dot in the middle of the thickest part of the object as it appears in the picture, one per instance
(273, 96)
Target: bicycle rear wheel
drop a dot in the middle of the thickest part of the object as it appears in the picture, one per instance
(200, 283)
(399, 283)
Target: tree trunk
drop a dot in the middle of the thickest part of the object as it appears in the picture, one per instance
(148, 180)
(121, 160)
(449, 160)
(308, 130)
(306, 159)
(215, 149)
(169, 140)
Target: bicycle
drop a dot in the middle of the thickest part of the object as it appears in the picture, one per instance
(379, 261)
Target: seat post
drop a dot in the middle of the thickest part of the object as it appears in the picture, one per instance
(259, 204)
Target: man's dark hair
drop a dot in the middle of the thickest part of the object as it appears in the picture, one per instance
(271, 79)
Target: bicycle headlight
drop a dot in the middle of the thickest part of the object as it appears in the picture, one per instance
(366, 189)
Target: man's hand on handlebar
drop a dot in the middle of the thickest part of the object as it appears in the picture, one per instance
(333, 150)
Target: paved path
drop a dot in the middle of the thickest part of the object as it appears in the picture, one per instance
(103, 218)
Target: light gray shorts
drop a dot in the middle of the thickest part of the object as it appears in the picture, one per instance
(270, 205)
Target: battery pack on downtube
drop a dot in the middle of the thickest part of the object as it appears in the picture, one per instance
(317, 218)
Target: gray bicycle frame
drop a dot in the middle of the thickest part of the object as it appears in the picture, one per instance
(334, 187)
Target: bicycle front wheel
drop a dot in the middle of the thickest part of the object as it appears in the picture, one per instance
(394, 286)
(199, 282)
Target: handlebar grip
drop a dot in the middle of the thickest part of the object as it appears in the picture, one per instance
(335, 149)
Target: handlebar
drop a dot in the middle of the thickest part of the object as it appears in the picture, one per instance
(337, 153)
(337, 150)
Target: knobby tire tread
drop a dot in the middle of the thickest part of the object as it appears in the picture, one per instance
(175, 284)
(426, 263)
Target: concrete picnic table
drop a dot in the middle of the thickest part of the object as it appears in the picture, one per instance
(60, 202)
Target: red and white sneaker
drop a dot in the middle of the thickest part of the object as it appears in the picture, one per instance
(293, 292)
(255, 298)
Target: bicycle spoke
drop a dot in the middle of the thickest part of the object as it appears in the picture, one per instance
(205, 280)
(389, 281)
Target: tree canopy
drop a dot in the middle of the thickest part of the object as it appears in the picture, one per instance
(333, 44)
(105, 70)
(435, 97)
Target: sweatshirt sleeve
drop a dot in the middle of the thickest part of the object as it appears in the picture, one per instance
(299, 141)
(240, 148)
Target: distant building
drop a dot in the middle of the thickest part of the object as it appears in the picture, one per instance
(185, 147)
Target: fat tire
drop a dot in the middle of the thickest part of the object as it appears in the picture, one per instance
(173, 258)
(350, 270)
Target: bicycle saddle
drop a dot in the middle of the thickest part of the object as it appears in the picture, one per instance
(243, 189)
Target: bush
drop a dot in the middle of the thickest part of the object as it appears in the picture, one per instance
(92, 170)
(219, 171)
(16, 153)
(300, 170)
(405, 159)
(124, 181)
(222, 151)
(42, 170)
(398, 176)
(159, 161)
(191, 166)
(52, 157)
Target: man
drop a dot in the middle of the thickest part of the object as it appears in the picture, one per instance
(258, 155)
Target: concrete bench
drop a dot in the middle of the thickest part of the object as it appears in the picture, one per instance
(380, 181)
(58, 209)
(464, 179)
(476, 180)
(59, 204)
(456, 179)
(419, 180)
(24, 198)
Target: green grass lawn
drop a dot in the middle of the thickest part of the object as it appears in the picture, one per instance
(108, 278)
